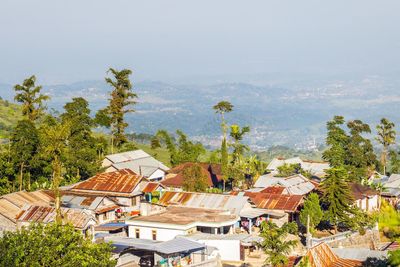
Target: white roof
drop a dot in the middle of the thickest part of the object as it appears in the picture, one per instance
(138, 161)
(295, 184)
(316, 168)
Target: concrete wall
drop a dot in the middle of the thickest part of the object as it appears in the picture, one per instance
(157, 175)
(229, 250)
(162, 234)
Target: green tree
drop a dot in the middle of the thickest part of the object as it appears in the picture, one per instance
(337, 196)
(23, 147)
(221, 108)
(32, 100)
(194, 179)
(274, 243)
(311, 209)
(337, 140)
(52, 245)
(120, 103)
(81, 157)
(386, 137)
(394, 258)
(181, 150)
(55, 143)
(237, 135)
(394, 161)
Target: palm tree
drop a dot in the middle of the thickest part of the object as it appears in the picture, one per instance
(386, 137)
(32, 100)
(275, 244)
(55, 146)
(222, 108)
(237, 135)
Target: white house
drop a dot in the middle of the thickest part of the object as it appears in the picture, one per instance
(137, 161)
(314, 167)
(365, 197)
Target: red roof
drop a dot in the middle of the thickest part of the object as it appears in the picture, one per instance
(151, 187)
(175, 175)
(361, 191)
(273, 190)
(287, 203)
(121, 181)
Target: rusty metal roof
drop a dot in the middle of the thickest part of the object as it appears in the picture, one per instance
(273, 190)
(11, 204)
(231, 203)
(122, 181)
(151, 187)
(77, 217)
(283, 202)
(322, 256)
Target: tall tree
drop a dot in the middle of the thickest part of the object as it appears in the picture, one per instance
(237, 135)
(194, 179)
(274, 243)
(81, 157)
(337, 196)
(52, 245)
(55, 143)
(24, 146)
(312, 210)
(120, 103)
(221, 108)
(337, 141)
(386, 137)
(32, 100)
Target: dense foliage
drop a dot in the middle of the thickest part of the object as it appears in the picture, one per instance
(52, 245)
(194, 179)
(311, 211)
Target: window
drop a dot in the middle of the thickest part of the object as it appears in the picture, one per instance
(137, 233)
(154, 234)
(134, 201)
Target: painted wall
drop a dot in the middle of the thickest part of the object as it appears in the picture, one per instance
(157, 175)
(368, 204)
(163, 234)
(229, 250)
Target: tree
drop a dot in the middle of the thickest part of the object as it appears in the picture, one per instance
(32, 100)
(24, 146)
(55, 142)
(274, 243)
(194, 179)
(122, 98)
(336, 196)
(181, 150)
(337, 140)
(394, 258)
(312, 210)
(81, 156)
(52, 245)
(386, 137)
(222, 108)
(237, 135)
(394, 161)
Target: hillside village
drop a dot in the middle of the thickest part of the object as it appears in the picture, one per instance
(230, 209)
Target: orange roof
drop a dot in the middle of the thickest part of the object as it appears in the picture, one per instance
(121, 181)
(322, 256)
(283, 202)
(273, 190)
(151, 187)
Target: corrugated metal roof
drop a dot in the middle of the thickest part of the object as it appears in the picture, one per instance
(287, 203)
(322, 256)
(295, 184)
(122, 181)
(77, 217)
(234, 204)
(316, 168)
(151, 187)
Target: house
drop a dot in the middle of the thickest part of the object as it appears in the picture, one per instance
(322, 256)
(174, 179)
(391, 187)
(179, 221)
(366, 198)
(316, 168)
(12, 204)
(124, 186)
(137, 161)
(179, 251)
(82, 220)
(293, 185)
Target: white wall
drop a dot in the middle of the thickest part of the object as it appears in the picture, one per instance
(157, 174)
(163, 234)
(229, 250)
(372, 203)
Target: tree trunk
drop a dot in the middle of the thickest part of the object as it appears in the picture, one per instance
(56, 185)
(21, 174)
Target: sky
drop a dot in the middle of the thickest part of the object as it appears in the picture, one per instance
(73, 40)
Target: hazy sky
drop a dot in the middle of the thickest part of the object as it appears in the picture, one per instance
(72, 40)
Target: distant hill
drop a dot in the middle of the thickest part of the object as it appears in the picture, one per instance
(10, 114)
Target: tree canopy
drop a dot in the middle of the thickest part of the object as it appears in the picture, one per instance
(52, 245)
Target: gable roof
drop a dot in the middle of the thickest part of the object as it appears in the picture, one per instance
(137, 161)
(12, 204)
(288, 203)
(294, 185)
(175, 177)
(231, 203)
(315, 167)
(322, 256)
(122, 181)
(361, 191)
(151, 187)
(39, 214)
